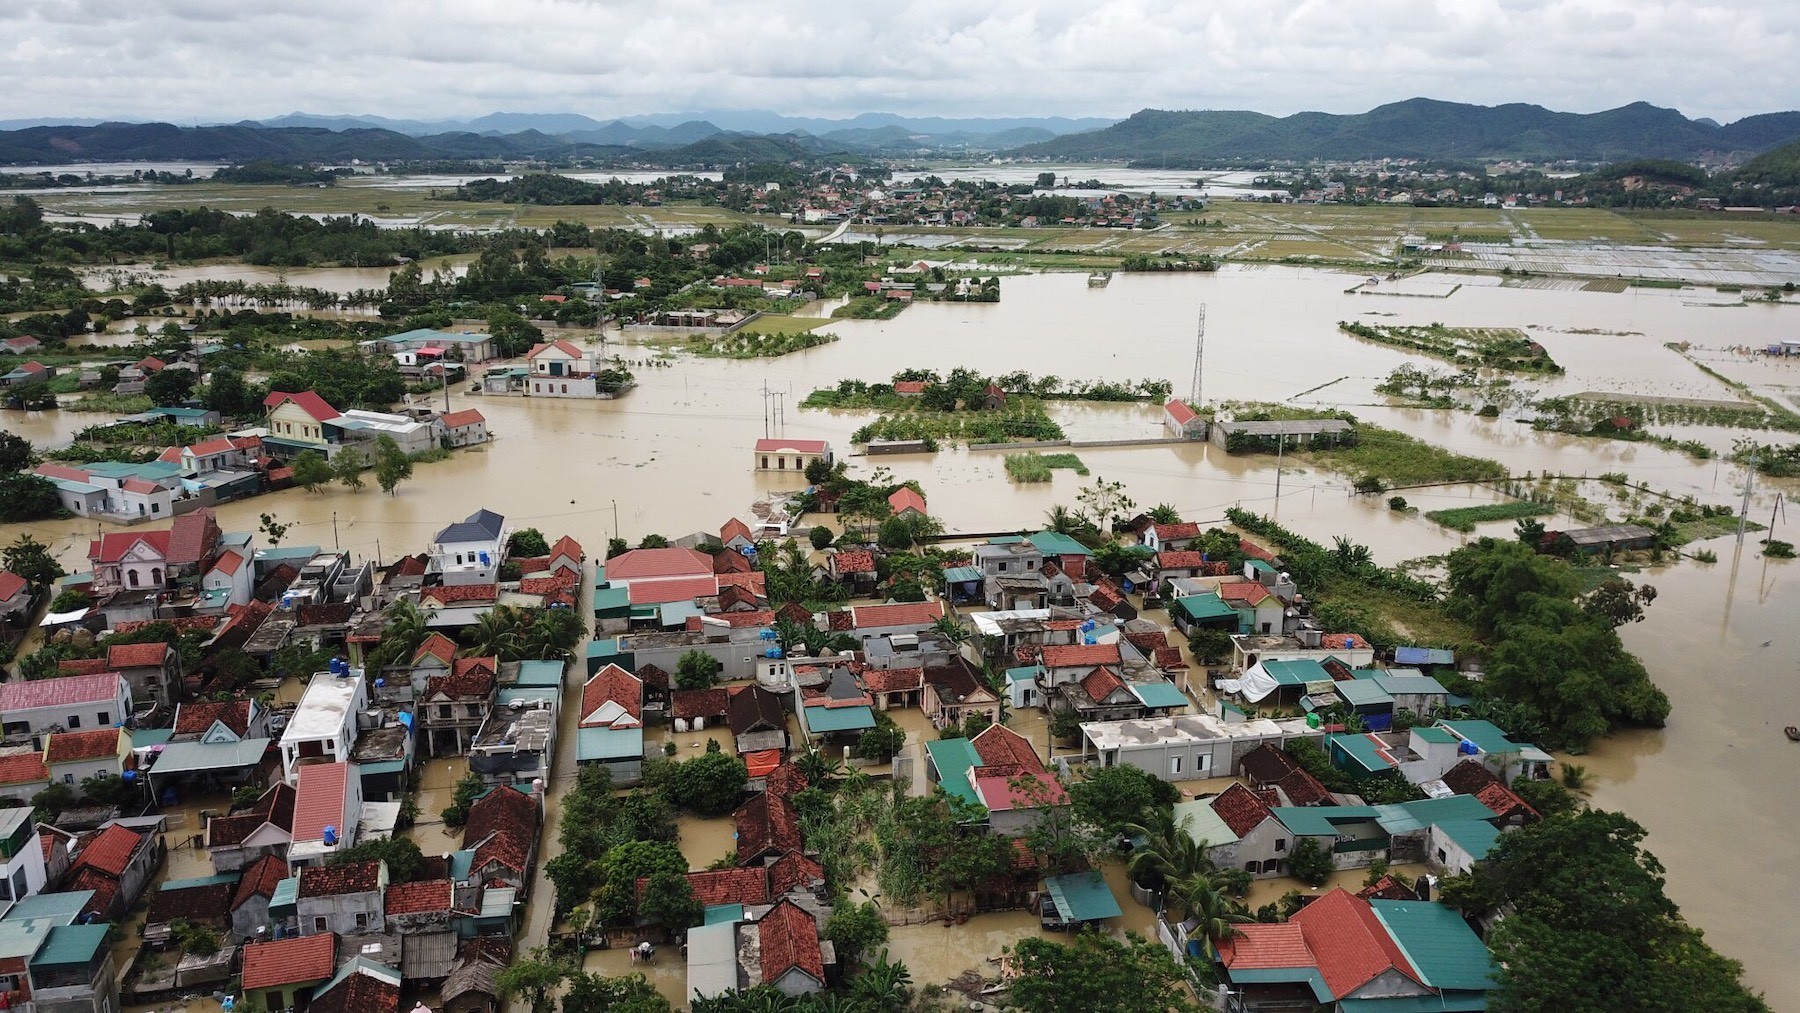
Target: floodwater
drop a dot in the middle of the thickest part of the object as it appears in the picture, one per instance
(341, 280)
(673, 457)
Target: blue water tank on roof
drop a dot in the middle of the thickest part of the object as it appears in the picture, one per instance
(1468, 748)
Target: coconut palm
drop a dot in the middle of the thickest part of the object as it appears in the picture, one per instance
(1062, 520)
(818, 768)
(950, 627)
(496, 633)
(1217, 915)
(1350, 555)
(1169, 854)
(550, 635)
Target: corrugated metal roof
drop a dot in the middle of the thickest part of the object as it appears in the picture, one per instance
(1083, 896)
(71, 944)
(190, 757)
(838, 719)
(953, 758)
(596, 744)
(1158, 694)
(1203, 824)
(1438, 943)
(1364, 693)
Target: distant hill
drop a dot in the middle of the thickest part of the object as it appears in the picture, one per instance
(1418, 128)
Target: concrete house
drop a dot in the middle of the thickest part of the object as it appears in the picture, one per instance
(251, 899)
(1185, 747)
(296, 423)
(70, 703)
(789, 455)
(345, 899)
(265, 830)
(1181, 421)
(562, 368)
(219, 721)
(423, 914)
(465, 428)
(23, 871)
(469, 551)
(130, 561)
(502, 831)
(23, 775)
(73, 757)
(327, 811)
(611, 729)
(1179, 536)
(792, 959)
(1263, 842)
(323, 727)
(68, 968)
(153, 670)
(285, 973)
(954, 690)
(15, 594)
(455, 704)
(116, 862)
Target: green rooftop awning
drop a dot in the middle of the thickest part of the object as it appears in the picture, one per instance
(1158, 694)
(825, 720)
(1200, 608)
(600, 745)
(1082, 897)
(206, 757)
(1439, 944)
(71, 945)
(962, 575)
(724, 914)
(285, 899)
(1360, 751)
(952, 759)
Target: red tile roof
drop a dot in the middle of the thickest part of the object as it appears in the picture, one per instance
(466, 417)
(1252, 550)
(566, 546)
(337, 880)
(662, 592)
(790, 939)
(1080, 655)
(562, 345)
(1180, 559)
(308, 402)
(295, 960)
(141, 486)
(726, 563)
(734, 528)
(11, 584)
(1387, 888)
(1302, 788)
(259, 880)
(798, 446)
(794, 870)
(1469, 777)
(456, 594)
(922, 613)
(276, 806)
(123, 656)
(503, 848)
(82, 666)
(1101, 683)
(756, 582)
(227, 563)
(855, 561)
(840, 620)
(503, 809)
(438, 646)
(1169, 658)
(767, 823)
(1177, 531)
(613, 684)
(19, 695)
(93, 744)
(638, 564)
(905, 498)
(358, 992)
(1351, 945)
(1008, 788)
(1249, 592)
(1264, 946)
(192, 536)
(196, 716)
(1241, 810)
(111, 547)
(725, 886)
(892, 680)
(999, 745)
(319, 801)
(414, 898)
(110, 850)
(1506, 803)
(699, 703)
(23, 768)
(1180, 412)
(208, 903)
(468, 677)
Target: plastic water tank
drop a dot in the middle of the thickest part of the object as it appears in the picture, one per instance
(1312, 721)
(699, 724)
(331, 836)
(1468, 748)
(681, 724)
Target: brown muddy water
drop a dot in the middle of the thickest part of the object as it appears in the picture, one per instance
(674, 457)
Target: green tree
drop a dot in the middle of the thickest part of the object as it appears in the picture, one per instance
(1113, 798)
(227, 394)
(27, 497)
(593, 993)
(168, 387)
(527, 542)
(496, 633)
(15, 452)
(1105, 503)
(533, 977)
(819, 536)
(1098, 974)
(1169, 854)
(621, 868)
(855, 929)
(669, 902)
(1210, 646)
(468, 788)
(1618, 601)
(513, 335)
(405, 862)
(311, 470)
(31, 559)
(895, 535)
(348, 467)
(711, 784)
(1163, 513)
(272, 529)
(884, 984)
(696, 669)
(1309, 862)
(1209, 905)
(392, 466)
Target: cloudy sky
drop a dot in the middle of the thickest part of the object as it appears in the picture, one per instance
(213, 60)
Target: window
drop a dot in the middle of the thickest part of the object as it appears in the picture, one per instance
(320, 925)
(131, 577)
(1202, 761)
(565, 388)
(1280, 845)
(780, 463)
(362, 920)
(1442, 858)
(1174, 765)
(474, 710)
(70, 779)
(105, 717)
(156, 508)
(444, 710)
(74, 721)
(765, 461)
(1003, 566)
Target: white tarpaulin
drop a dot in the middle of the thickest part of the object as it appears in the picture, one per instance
(1254, 685)
(59, 618)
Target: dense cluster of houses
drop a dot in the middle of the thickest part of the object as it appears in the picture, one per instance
(249, 460)
(844, 196)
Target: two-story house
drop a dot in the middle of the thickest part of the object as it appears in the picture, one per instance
(116, 862)
(455, 704)
(327, 811)
(346, 899)
(153, 670)
(69, 703)
(323, 727)
(469, 551)
(245, 837)
(73, 757)
(22, 869)
(129, 561)
(296, 423)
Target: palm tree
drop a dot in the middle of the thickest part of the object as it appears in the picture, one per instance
(1062, 520)
(1350, 555)
(1208, 904)
(887, 984)
(407, 627)
(818, 768)
(950, 627)
(550, 635)
(1163, 513)
(1169, 853)
(496, 634)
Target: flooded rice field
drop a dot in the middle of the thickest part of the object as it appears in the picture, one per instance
(674, 456)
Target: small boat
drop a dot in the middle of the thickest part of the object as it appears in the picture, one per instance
(1099, 279)
(1793, 733)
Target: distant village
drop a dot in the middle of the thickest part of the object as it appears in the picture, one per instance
(257, 715)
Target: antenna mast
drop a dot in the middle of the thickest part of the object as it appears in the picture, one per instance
(1199, 353)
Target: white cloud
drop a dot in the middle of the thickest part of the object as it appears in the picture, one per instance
(188, 60)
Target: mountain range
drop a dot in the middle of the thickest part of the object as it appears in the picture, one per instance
(1416, 128)
(1419, 128)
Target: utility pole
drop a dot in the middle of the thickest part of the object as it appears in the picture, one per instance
(615, 504)
(334, 533)
(1280, 445)
(1199, 354)
(1750, 464)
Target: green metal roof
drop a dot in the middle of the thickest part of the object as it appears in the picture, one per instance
(189, 884)
(361, 965)
(962, 574)
(1310, 976)
(1083, 897)
(1360, 693)
(142, 737)
(1455, 1002)
(1362, 751)
(1158, 694)
(1051, 543)
(525, 694)
(1438, 943)
(1027, 673)
(197, 757)
(1261, 566)
(71, 944)
(609, 599)
(1413, 685)
(1201, 607)
(598, 744)
(1477, 837)
(1437, 735)
(286, 896)
(380, 767)
(1321, 820)
(1006, 540)
(1203, 824)
(724, 914)
(1296, 673)
(837, 719)
(1486, 735)
(953, 758)
(1407, 817)
(540, 673)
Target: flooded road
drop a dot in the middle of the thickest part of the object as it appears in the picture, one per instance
(674, 457)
